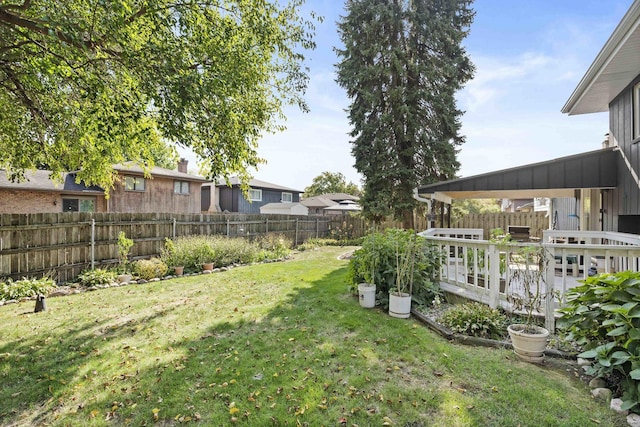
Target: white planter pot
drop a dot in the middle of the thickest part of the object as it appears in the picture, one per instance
(528, 346)
(124, 278)
(367, 295)
(399, 305)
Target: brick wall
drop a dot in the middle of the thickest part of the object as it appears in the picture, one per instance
(21, 202)
(29, 202)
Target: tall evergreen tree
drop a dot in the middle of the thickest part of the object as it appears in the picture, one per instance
(401, 66)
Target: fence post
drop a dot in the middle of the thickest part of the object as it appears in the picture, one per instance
(173, 231)
(228, 227)
(93, 244)
(317, 227)
(266, 227)
(549, 297)
(296, 242)
(494, 276)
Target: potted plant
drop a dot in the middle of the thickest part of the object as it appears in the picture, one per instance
(400, 295)
(124, 247)
(170, 256)
(367, 289)
(529, 340)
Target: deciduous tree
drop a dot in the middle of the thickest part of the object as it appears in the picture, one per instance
(85, 84)
(331, 182)
(401, 65)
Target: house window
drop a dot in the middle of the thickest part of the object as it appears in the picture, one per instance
(255, 195)
(133, 183)
(287, 198)
(181, 187)
(78, 205)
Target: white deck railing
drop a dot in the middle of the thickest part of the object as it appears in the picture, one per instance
(484, 271)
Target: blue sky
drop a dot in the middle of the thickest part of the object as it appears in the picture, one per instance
(529, 57)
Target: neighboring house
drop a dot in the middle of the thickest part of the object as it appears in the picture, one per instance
(284, 209)
(517, 205)
(342, 208)
(605, 183)
(318, 205)
(231, 199)
(164, 191)
(38, 193)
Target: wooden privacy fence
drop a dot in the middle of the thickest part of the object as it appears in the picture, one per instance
(64, 244)
(537, 221)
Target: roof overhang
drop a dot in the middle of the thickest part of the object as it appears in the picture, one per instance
(555, 178)
(615, 67)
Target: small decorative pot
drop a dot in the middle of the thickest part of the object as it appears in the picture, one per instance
(179, 270)
(367, 295)
(399, 305)
(529, 342)
(207, 266)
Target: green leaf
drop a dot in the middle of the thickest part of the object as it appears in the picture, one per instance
(619, 357)
(635, 374)
(589, 354)
(611, 307)
(618, 331)
(634, 334)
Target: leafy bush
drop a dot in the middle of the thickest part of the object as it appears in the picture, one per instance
(377, 261)
(150, 268)
(603, 316)
(124, 247)
(97, 276)
(276, 245)
(314, 243)
(476, 320)
(25, 288)
(191, 251)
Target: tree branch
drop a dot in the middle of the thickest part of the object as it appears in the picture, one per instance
(18, 21)
(25, 5)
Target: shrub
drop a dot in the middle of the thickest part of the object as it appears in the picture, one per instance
(25, 288)
(190, 252)
(603, 316)
(376, 262)
(150, 268)
(314, 243)
(124, 247)
(476, 320)
(97, 276)
(276, 245)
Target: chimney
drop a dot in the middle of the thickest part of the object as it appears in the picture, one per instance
(182, 165)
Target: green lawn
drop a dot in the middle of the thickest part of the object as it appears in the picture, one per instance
(281, 344)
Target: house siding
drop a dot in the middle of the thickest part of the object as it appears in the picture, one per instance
(28, 202)
(232, 199)
(158, 196)
(625, 199)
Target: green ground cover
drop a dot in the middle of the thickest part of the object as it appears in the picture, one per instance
(263, 345)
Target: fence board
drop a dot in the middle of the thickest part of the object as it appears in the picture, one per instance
(37, 244)
(537, 221)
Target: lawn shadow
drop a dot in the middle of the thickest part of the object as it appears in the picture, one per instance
(286, 345)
